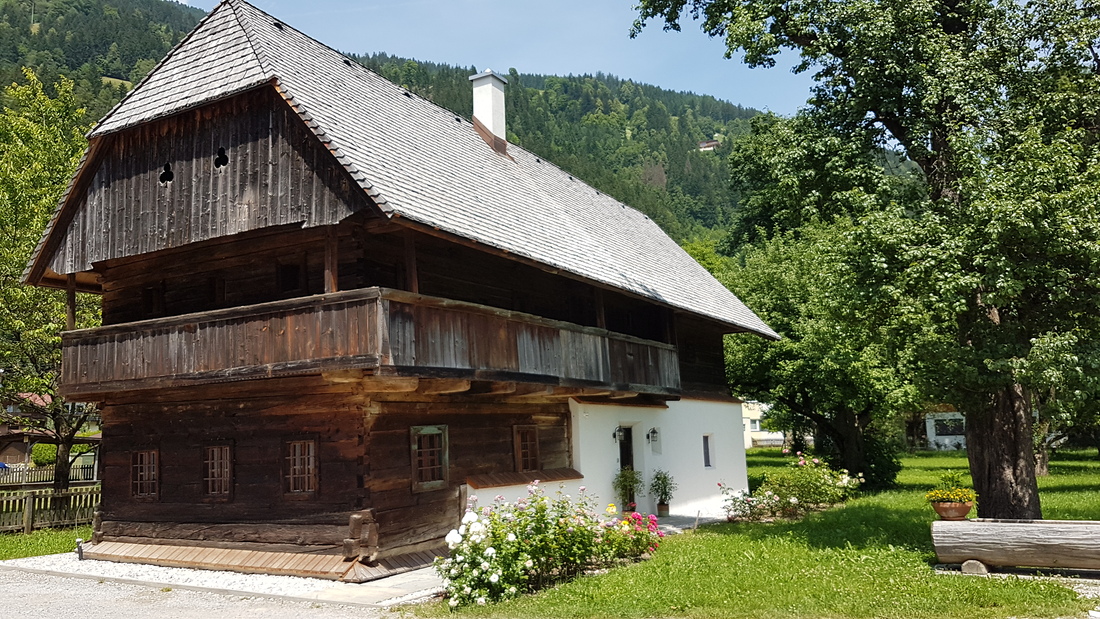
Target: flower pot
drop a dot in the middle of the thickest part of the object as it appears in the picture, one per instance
(662, 510)
(953, 511)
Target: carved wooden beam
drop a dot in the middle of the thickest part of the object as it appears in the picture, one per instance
(390, 384)
(444, 385)
(342, 376)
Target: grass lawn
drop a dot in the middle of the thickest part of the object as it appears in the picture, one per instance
(869, 558)
(44, 542)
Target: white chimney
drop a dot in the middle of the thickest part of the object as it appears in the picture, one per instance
(489, 106)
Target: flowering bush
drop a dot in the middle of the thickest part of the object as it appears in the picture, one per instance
(806, 484)
(505, 549)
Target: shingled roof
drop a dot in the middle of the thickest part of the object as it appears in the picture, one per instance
(421, 162)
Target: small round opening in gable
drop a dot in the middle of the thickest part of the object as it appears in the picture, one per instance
(222, 159)
(166, 176)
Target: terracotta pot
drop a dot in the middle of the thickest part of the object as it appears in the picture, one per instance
(953, 511)
(662, 510)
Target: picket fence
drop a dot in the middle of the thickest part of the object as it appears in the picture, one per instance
(43, 475)
(27, 511)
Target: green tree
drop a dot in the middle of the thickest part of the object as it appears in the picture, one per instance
(980, 94)
(41, 139)
(832, 369)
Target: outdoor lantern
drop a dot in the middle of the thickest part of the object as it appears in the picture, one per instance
(651, 436)
(619, 434)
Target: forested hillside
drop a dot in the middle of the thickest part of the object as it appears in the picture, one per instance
(636, 142)
(102, 45)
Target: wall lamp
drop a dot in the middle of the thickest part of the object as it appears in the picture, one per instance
(619, 434)
(652, 435)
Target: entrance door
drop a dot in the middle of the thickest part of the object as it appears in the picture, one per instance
(626, 457)
(626, 449)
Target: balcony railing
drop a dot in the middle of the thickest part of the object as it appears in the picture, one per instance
(374, 329)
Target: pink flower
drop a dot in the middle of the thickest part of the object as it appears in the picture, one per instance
(786, 451)
(816, 461)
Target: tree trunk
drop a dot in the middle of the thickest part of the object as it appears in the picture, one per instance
(1002, 456)
(61, 468)
(1042, 461)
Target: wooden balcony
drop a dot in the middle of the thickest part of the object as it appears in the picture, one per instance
(377, 330)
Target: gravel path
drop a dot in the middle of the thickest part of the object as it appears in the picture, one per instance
(253, 583)
(34, 596)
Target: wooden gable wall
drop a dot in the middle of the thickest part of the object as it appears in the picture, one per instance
(274, 172)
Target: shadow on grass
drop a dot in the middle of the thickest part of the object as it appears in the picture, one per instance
(860, 525)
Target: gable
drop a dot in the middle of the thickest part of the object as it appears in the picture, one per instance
(241, 164)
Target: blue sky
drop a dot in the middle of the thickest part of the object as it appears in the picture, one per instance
(551, 37)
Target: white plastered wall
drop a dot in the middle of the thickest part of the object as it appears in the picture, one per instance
(678, 450)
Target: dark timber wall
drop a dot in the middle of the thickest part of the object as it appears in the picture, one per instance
(274, 172)
(364, 459)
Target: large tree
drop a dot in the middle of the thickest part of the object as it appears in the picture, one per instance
(996, 102)
(41, 138)
(832, 370)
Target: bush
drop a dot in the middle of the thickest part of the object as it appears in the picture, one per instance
(880, 459)
(506, 549)
(45, 454)
(806, 484)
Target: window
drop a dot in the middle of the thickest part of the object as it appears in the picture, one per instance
(152, 301)
(706, 451)
(215, 291)
(290, 277)
(429, 457)
(525, 440)
(754, 425)
(143, 474)
(301, 467)
(950, 427)
(217, 471)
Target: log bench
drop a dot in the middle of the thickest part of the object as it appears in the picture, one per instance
(1069, 544)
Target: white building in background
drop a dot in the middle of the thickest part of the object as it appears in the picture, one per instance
(755, 434)
(945, 430)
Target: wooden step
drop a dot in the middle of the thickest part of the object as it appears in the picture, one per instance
(310, 565)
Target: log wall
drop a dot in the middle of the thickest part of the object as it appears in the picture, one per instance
(364, 458)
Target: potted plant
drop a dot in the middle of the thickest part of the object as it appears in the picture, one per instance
(662, 486)
(627, 484)
(950, 499)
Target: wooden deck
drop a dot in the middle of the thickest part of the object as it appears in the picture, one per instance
(310, 565)
(378, 330)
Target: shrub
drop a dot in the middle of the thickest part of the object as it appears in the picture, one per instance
(505, 549)
(806, 484)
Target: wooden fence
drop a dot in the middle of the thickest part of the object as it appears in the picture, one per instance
(43, 475)
(27, 511)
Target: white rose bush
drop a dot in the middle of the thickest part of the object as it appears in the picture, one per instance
(503, 550)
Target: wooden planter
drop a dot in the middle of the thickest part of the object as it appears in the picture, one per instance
(1072, 544)
(953, 511)
(662, 510)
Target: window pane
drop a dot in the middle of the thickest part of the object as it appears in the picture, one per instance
(219, 477)
(301, 466)
(429, 457)
(143, 474)
(527, 448)
(706, 450)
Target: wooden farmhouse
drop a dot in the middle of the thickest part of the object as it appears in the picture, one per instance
(333, 311)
